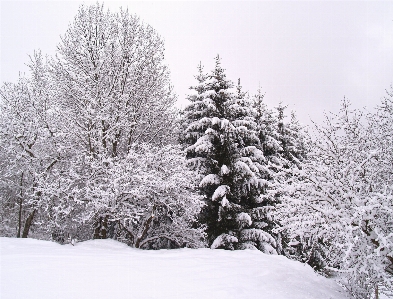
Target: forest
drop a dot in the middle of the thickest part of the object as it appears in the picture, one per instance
(92, 147)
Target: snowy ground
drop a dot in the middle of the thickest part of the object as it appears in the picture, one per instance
(108, 269)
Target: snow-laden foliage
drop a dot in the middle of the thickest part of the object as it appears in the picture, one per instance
(340, 209)
(111, 82)
(146, 200)
(79, 141)
(30, 149)
(283, 147)
(224, 241)
(221, 137)
(112, 86)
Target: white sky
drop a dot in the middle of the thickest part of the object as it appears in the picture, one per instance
(307, 54)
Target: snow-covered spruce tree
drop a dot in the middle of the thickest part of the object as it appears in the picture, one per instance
(222, 144)
(296, 147)
(283, 146)
(345, 199)
(113, 89)
(292, 138)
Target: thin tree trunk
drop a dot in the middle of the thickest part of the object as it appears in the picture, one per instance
(104, 227)
(20, 206)
(376, 292)
(97, 230)
(19, 218)
(28, 223)
(101, 228)
(145, 230)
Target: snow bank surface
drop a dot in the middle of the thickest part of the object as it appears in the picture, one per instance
(108, 269)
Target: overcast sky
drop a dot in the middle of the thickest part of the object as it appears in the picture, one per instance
(308, 55)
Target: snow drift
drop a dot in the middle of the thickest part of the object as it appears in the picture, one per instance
(109, 269)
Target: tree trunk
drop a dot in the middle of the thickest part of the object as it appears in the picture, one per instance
(145, 230)
(20, 207)
(19, 218)
(28, 223)
(101, 227)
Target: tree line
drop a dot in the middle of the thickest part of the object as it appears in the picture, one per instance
(93, 148)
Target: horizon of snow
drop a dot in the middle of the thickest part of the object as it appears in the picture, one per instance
(109, 269)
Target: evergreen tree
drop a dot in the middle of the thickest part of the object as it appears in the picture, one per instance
(291, 137)
(223, 145)
(283, 146)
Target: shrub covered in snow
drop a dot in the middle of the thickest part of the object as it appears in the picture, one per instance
(340, 210)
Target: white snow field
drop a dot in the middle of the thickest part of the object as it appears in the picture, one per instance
(109, 269)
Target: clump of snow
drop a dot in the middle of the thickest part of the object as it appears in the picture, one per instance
(223, 240)
(108, 269)
(210, 131)
(220, 192)
(256, 234)
(225, 202)
(209, 93)
(203, 144)
(215, 121)
(210, 179)
(224, 170)
(243, 168)
(244, 219)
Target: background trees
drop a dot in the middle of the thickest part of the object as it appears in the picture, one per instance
(343, 205)
(79, 140)
(29, 145)
(284, 147)
(87, 152)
